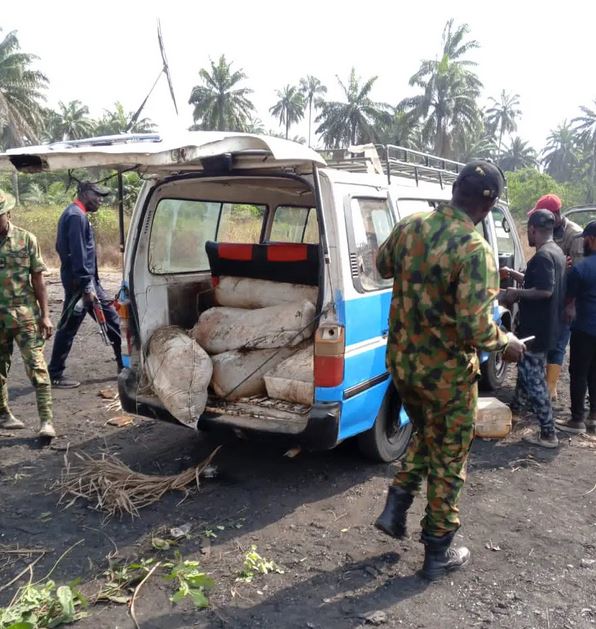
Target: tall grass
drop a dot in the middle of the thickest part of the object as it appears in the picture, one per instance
(42, 220)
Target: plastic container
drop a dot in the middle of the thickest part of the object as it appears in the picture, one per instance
(493, 418)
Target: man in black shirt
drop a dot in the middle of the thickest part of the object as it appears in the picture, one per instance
(541, 302)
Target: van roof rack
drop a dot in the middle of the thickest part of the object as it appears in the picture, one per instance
(109, 140)
(388, 160)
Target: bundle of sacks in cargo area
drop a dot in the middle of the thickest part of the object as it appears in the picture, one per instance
(255, 342)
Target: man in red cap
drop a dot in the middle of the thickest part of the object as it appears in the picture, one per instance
(566, 236)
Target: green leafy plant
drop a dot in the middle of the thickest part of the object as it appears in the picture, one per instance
(192, 582)
(255, 564)
(122, 579)
(44, 607)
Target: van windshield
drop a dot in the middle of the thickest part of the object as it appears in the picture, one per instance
(181, 228)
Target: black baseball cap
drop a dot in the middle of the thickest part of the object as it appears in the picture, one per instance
(542, 219)
(589, 230)
(90, 186)
(480, 179)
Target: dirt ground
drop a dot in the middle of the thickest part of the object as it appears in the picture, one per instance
(529, 518)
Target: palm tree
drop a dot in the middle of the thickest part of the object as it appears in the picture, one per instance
(219, 104)
(21, 94)
(475, 143)
(585, 127)
(561, 153)
(447, 105)
(289, 108)
(400, 128)
(519, 155)
(352, 121)
(312, 89)
(72, 121)
(117, 120)
(255, 125)
(502, 115)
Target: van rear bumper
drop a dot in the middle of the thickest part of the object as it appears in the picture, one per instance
(318, 430)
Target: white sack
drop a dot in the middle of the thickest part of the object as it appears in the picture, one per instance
(179, 372)
(292, 380)
(231, 368)
(224, 329)
(245, 292)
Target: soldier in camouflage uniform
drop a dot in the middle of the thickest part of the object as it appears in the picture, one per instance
(445, 284)
(24, 316)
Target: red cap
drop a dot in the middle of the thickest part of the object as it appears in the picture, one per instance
(549, 202)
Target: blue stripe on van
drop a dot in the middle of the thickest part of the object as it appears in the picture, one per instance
(364, 319)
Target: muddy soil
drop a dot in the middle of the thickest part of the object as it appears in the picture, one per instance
(529, 519)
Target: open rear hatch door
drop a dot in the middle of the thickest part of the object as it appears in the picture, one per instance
(192, 151)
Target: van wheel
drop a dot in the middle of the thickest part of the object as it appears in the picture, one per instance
(388, 439)
(493, 372)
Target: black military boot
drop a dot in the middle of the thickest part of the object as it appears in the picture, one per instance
(439, 558)
(393, 519)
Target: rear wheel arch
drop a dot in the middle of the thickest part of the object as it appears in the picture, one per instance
(388, 438)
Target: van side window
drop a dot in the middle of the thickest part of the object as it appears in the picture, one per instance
(372, 222)
(295, 224)
(406, 207)
(505, 242)
(181, 228)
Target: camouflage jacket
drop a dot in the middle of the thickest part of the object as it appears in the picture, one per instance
(445, 284)
(566, 237)
(19, 257)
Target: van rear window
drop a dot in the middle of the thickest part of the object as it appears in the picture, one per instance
(181, 227)
(295, 224)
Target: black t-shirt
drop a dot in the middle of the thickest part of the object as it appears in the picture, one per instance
(542, 317)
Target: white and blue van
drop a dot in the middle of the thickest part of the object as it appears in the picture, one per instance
(263, 207)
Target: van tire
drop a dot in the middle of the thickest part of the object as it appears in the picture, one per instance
(493, 372)
(383, 442)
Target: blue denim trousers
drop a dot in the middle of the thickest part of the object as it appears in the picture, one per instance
(557, 355)
(531, 391)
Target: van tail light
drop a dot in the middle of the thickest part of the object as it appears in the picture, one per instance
(123, 308)
(329, 356)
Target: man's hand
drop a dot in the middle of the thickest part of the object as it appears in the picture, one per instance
(46, 327)
(504, 272)
(515, 349)
(569, 313)
(510, 297)
(569, 261)
(89, 298)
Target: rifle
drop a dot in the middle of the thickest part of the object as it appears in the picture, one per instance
(101, 320)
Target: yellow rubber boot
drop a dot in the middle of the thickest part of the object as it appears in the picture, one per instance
(552, 377)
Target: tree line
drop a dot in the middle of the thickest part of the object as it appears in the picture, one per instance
(444, 117)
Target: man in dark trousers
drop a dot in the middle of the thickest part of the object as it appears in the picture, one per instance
(445, 282)
(565, 235)
(75, 244)
(581, 309)
(541, 302)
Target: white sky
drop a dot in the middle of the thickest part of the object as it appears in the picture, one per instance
(105, 51)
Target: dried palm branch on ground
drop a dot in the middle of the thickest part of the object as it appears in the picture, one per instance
(111, 486)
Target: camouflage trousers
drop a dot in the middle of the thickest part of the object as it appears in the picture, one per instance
(31, 344)
(531, 391)
(443, 421)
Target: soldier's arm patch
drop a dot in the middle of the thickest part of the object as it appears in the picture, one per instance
(36, 263)
(475, 294)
